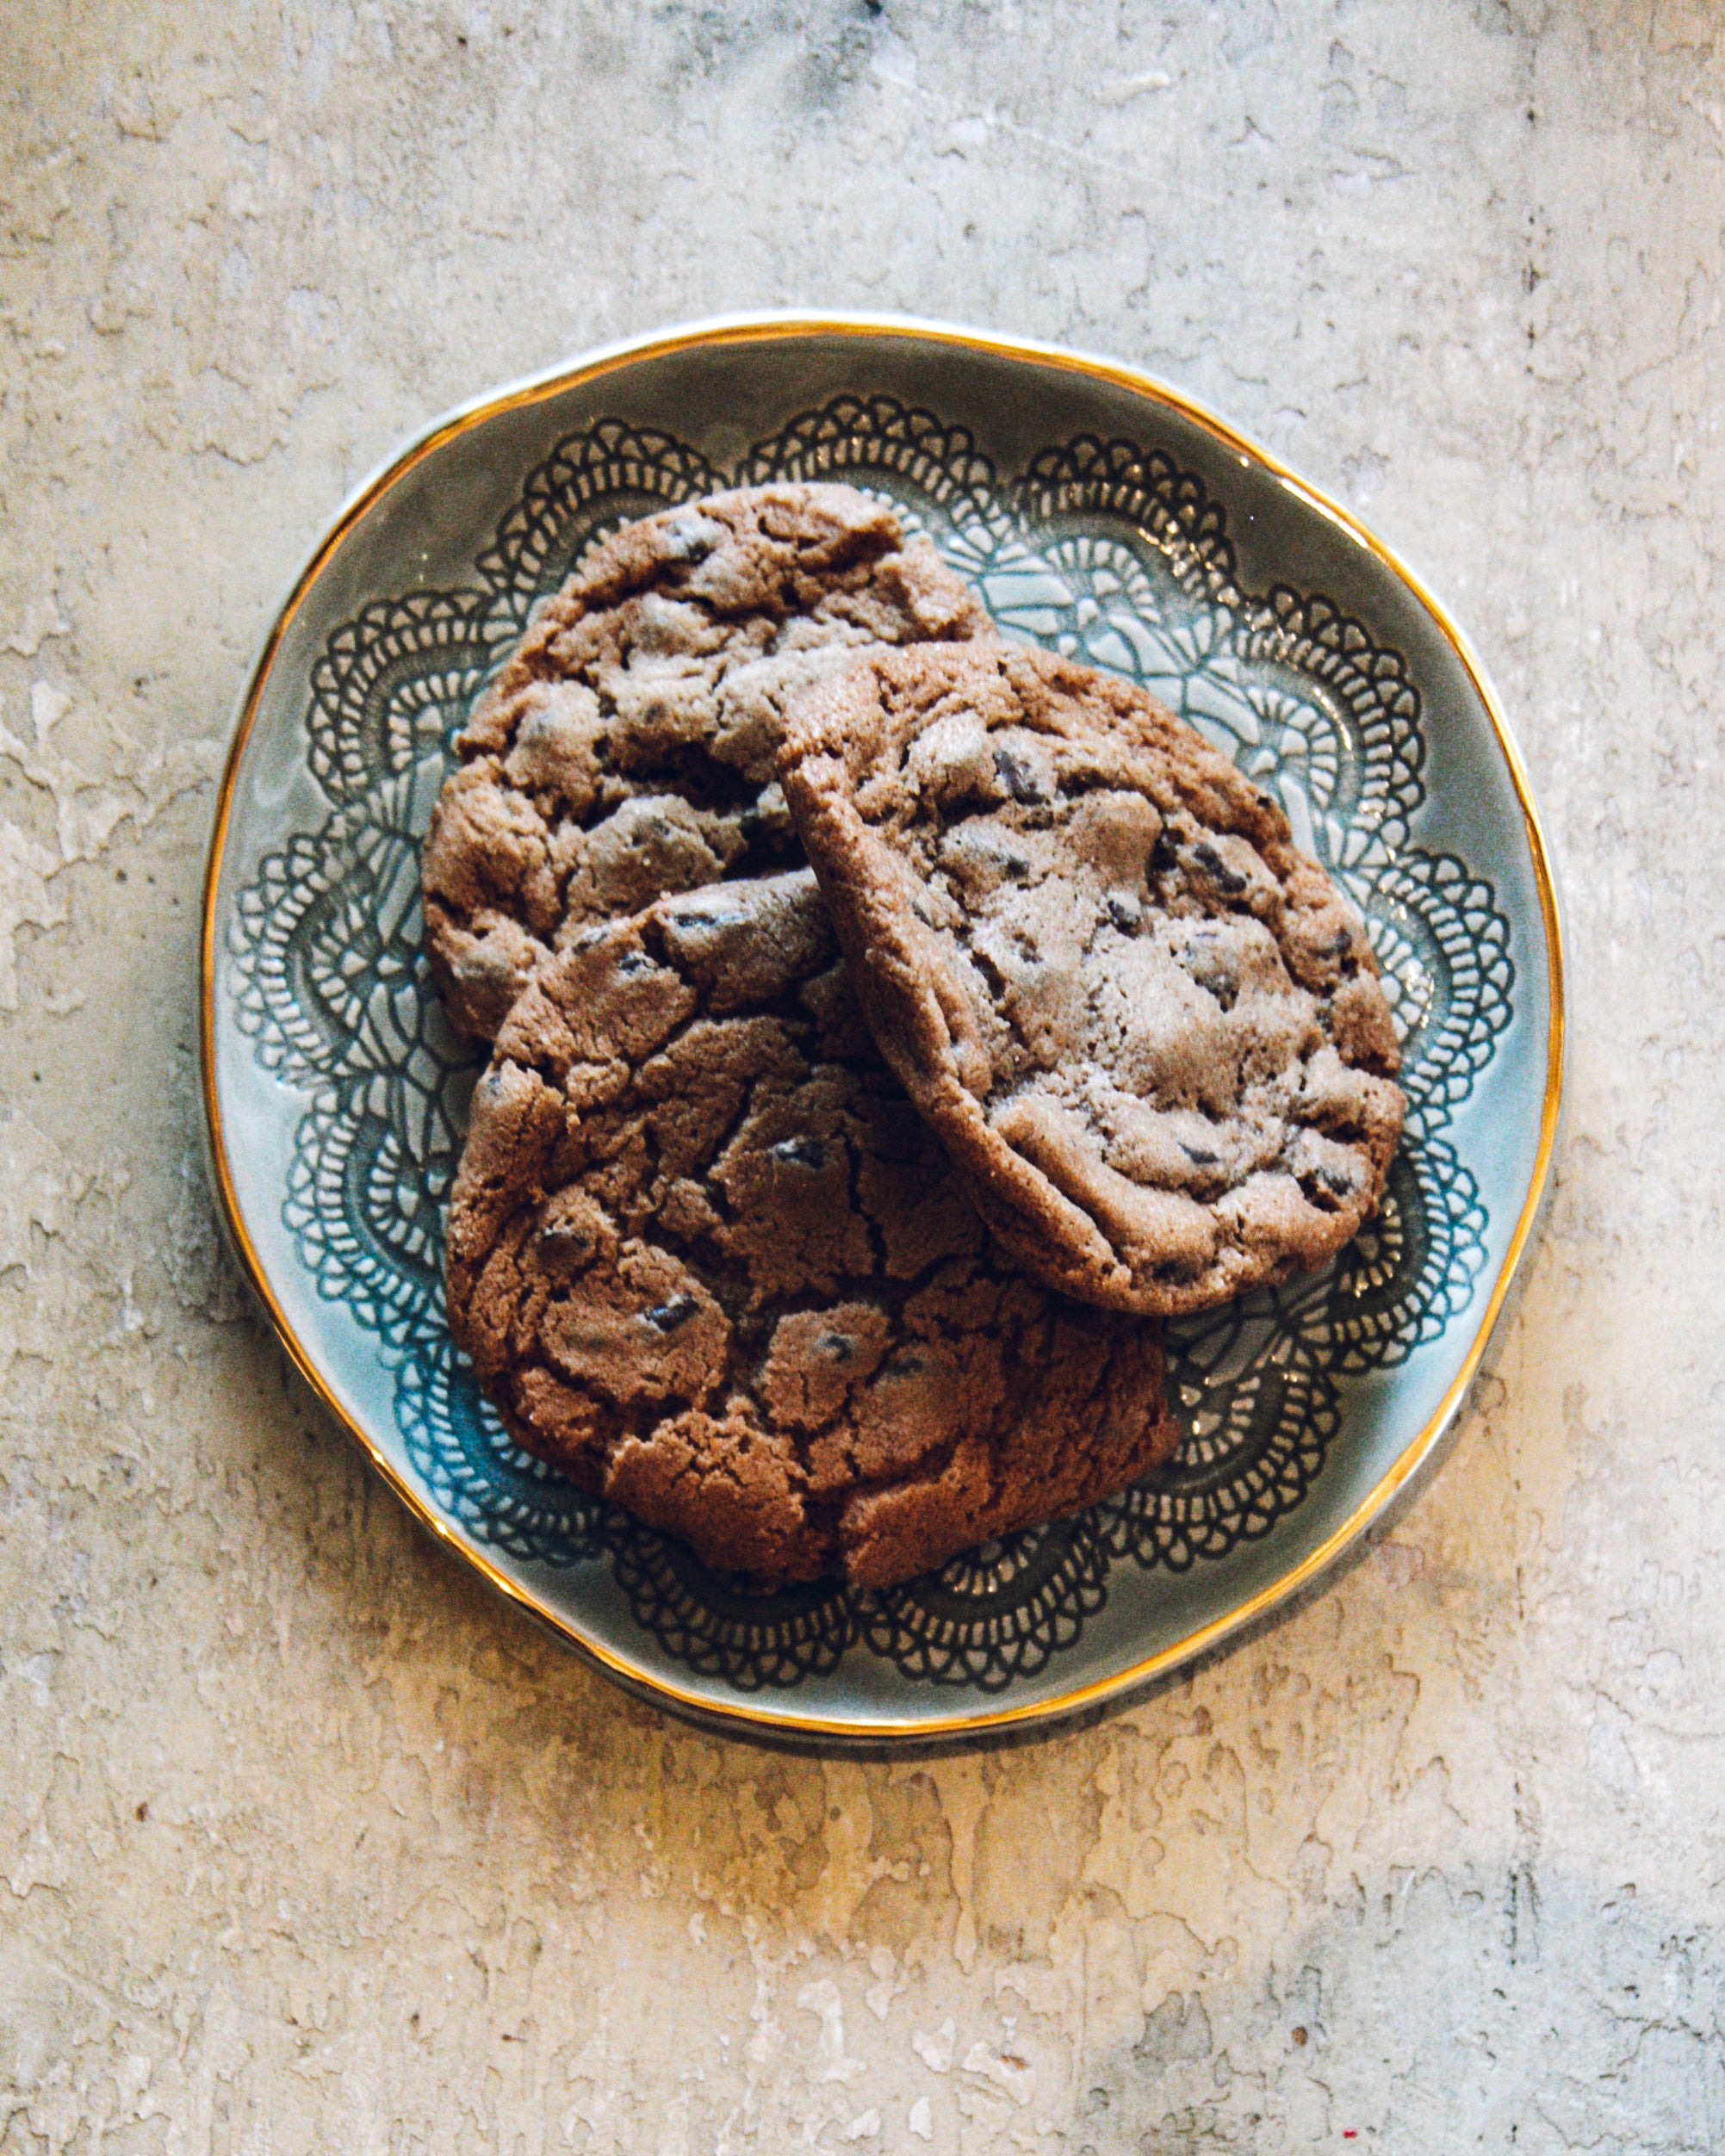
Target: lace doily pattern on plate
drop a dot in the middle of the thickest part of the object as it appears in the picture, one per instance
(1103, 550)
(932, 471)
(1095, 485)
(589, 485)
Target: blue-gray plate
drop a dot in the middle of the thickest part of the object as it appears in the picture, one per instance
(1096, 513)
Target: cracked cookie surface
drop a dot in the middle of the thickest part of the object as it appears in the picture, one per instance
(1148, 1027)
(709, 1260)
(626, 747)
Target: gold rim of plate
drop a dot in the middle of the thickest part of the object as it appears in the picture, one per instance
(742, 1718)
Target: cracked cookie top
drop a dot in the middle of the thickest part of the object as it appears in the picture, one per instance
(1148, 1027)
(709, 1260)
(626, 747)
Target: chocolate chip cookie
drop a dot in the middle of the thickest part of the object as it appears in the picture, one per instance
(1147, 1026)
(626, 747)
(709, 1260)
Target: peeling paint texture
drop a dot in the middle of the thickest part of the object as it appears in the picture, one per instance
(304, 1844)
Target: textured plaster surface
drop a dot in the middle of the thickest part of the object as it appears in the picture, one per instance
(304, 1844)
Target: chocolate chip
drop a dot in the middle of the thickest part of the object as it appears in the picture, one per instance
(669, 1316)
(1212, 969)
(566, 1238)
(1217, 869)
(689, 537)
(801, 1152)
(1016, 775)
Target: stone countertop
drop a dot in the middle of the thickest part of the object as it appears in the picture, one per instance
(306, 1842)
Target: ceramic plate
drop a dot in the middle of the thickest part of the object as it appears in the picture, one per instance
(1096, 514)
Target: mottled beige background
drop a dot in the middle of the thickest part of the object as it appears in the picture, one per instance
(305, 1844)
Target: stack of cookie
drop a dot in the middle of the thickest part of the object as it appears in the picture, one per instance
(888, 1026)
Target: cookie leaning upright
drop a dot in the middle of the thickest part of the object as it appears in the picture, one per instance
(626, 747)
(1147, 1026)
